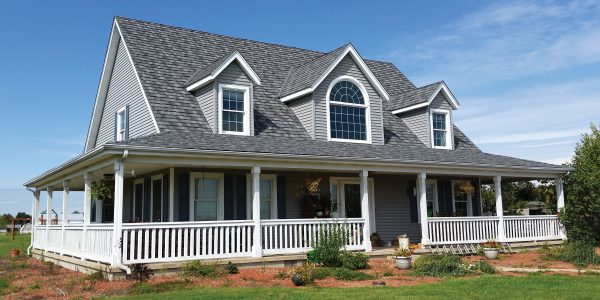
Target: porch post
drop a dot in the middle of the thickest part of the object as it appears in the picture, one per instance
(35, 207)
(364, 202)
(65, 215)
(49, 191)
(499, 209)
(560, 204)
(423, 208)
(257, 241)
(98, 212)
(87, 210)
(118, 213)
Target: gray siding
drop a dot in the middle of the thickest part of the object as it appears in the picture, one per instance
(234, 74)
(124, 89)
(392, 208)
(206, 97)
(304, 109)
(440, 102)
(348, 67)
(418, 121)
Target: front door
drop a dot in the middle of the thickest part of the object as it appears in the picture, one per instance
(351, 199)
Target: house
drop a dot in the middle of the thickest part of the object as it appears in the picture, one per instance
(221, 147)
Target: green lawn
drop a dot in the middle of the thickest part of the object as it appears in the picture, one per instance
(20, 242)
(535, 286)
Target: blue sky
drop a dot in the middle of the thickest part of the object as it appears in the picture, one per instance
(526, 73)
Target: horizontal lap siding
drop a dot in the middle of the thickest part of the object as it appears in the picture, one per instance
(206, 97)
(440, 102)
(392, 208)
(304, 109)
(124, 89)
(234, 74)
(418, 122)
(349, 68)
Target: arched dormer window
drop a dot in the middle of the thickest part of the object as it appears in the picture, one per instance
(348, 105)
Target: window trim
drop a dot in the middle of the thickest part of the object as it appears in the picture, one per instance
(136, 182)
(249, 192)
(469, 200)
(448, 129)
(220, 195)
(157, 177)
(121, 136)
(239, 88)
(367, 107)
(435, 199)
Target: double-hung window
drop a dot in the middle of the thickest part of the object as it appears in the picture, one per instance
(348, 112)
(121, 124)
(462, 200)
(234, 109)
(268, 196)
(432, 199)
(440, 131)
(206, 196)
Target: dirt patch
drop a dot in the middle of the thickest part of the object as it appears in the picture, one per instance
(529, 259)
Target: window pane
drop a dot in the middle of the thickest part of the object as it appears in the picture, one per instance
(207, 189)
(461, 208)
(439, 121)
(233, 121)
(439, 138)
(348, 122)
(265, 209)
(206, 199)
(233, 100)
(205, 210)
(346, 91)
(430, 209)
(266, 189)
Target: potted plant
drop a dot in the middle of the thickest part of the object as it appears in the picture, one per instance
(15, 253)
(491, 249)
(403, 258)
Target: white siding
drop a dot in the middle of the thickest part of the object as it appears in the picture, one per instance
(348, 67)
(124, 89)
(304, 109)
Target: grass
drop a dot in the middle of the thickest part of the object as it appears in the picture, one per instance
(20, 242)
(535, 286)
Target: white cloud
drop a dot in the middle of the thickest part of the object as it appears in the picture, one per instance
(530, 136)
(543, 145)
(558, 161)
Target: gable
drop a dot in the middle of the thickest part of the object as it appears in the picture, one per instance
(123, 90)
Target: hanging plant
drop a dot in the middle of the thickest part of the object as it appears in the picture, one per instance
(310, 186)
(464, 188)
(100, 191)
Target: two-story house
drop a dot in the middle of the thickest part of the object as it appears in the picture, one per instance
(222, 147)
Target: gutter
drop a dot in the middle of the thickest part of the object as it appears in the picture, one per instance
(32, 228)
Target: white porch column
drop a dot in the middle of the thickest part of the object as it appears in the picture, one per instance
(48, 215)
(118, 213)
(65, 214)
(364, 202)
(171, 194)
(257, 240)
(87, 210)
(35, 212)
(499, 209)
(98, 212)
(422, 188)
(560, 194)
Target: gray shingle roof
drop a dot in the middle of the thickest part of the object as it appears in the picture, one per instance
(207, 70)
(167, 57)
(416, 96)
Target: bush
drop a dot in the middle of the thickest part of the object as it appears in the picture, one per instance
(303, 275)
(311, 257)
(439, 265)
(140, 272)
(96, 276)
(340, 274)
(579, 253)
(355, 261)
(231, 268)
(328, 246)
(482, 267)
(198, 269)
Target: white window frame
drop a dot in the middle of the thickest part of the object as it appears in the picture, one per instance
(220, 195)
(448, 128)
(367, 107)
(341, 209)
(469, 199)
(239, 88)
(121, 119)
(249, 192)
(136, 182)
(435, 199)
(152, 180)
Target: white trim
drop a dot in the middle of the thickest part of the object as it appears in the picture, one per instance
(448, 128)
(220, 196)
(136, 182)
(234, 56)
(273, 178)
(469, 199)
(435, 199)
(367, 107)
(443, 88)
(246, 91)
(361, 64)
(121, 119)
(158, 177)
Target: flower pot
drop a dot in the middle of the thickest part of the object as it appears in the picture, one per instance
(491, 253)
(15, 253)
(297, 280)
(403, 262)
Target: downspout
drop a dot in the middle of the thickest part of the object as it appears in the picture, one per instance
(120, 264)
(32, 227)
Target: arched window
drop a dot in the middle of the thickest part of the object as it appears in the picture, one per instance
(348, 112)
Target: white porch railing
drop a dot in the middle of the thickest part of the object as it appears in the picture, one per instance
(466, 230)
(164, 242)
(531, 228)
(98, 242)
(297, 235)
(97, 245)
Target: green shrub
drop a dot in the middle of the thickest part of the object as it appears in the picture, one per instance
(482, 267)
(439, 265)
(329, 245)
(197, 268)
(231, 268)
(303, 275)
(579, 253)
(96, 276)
(140, 272)
(355, 261)
(311, 257)
(340, 274)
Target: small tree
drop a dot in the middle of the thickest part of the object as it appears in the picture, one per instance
(582, 190)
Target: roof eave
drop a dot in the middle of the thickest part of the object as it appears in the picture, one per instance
(235, 56)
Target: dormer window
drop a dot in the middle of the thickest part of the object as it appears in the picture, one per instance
(234, 109)
(348, 106)
(440, 124)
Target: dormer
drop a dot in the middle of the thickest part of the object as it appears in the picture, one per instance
(224, 91)
(427, 111)
(337, 98)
